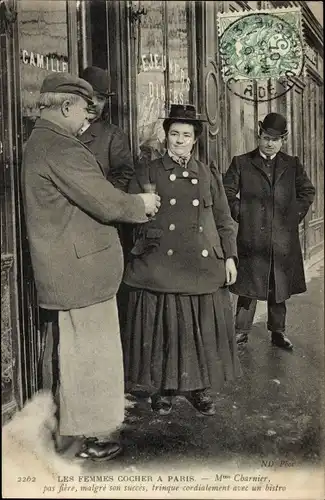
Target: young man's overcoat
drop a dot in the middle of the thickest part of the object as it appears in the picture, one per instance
(268, 215)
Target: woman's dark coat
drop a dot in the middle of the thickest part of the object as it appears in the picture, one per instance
(183, 249)
(268, 217)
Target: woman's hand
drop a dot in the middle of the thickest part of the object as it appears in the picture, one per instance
(231, 271)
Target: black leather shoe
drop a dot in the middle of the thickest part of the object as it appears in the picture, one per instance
(161, 404)
(280, 340)
(98, 451)
(203, 402)
(242, 338)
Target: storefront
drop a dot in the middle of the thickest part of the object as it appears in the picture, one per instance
(156, 53)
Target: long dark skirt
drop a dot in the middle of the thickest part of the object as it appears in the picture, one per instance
(179, 342)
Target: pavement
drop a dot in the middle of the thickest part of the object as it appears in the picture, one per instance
(272, 412)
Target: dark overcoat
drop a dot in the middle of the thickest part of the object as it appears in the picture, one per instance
(183, 249)
(71, 211)
(268, 216)
(111, 147)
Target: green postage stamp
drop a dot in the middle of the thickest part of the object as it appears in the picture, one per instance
(261, 45)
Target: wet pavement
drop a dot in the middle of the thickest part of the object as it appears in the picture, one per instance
(272, 412)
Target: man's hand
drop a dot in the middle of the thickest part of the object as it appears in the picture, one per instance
(231, 271)
(151, 202)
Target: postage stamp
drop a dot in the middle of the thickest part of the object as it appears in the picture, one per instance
(261, 46)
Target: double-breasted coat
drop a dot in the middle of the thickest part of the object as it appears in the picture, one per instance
(70, 211)
(268, 216)
(184, 247)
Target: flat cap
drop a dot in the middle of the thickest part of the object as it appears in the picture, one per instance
(65, 83)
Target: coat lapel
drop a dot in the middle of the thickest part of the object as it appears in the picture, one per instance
(192, 166)
(168, 163)
(89, 135)
(257, 161)
(281, 165)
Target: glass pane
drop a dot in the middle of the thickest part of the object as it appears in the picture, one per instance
(178, 43)
(43, 50)
(151, 75)
(162, 69)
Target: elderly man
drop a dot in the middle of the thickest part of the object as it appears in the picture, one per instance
(275, 195)
(71, 211)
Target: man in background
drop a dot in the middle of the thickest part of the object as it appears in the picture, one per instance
(275, 195)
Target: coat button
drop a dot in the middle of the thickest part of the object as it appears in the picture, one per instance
(172, 227)
(195, 203)
(172, 177)
(201, 229)
(262, 228)
(170, 252)
(172, 201)
(204, 253)
(194, 181)
(185, 173)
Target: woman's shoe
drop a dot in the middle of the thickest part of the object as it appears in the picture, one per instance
(203, 402)
(161, 404)
(98, 451)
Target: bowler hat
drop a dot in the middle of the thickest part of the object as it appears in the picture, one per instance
(65, 83)
(274, 124)
(99, 79)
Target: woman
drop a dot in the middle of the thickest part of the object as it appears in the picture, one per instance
(179, 335)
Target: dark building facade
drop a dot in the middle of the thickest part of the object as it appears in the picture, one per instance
(157, 53)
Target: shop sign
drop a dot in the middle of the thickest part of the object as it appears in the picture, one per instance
(50, 63)
(156, 63)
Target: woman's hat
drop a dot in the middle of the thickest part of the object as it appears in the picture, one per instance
(98, 79)
(183, 112)
(274, 124)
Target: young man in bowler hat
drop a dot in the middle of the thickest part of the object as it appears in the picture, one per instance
(71, 211)
(275, 195)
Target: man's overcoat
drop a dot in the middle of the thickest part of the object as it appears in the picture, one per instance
(111, 147)
(71, 211)
(268, 215)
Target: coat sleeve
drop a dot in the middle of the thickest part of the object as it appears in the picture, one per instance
(305, 191)
(121, 168)
(75, 174)
(231, 182)
(224, 223)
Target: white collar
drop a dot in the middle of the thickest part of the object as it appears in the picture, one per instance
(83, 129)
(265, 157)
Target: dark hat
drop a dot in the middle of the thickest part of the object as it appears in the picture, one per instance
(99, 79)
(274, 124)
(65, 83)
(183, 113)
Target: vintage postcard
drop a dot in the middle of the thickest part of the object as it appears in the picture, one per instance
(162, 249)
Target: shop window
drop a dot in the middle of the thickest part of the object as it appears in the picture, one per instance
(162, 52)
(43, 50)
(92, 33)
